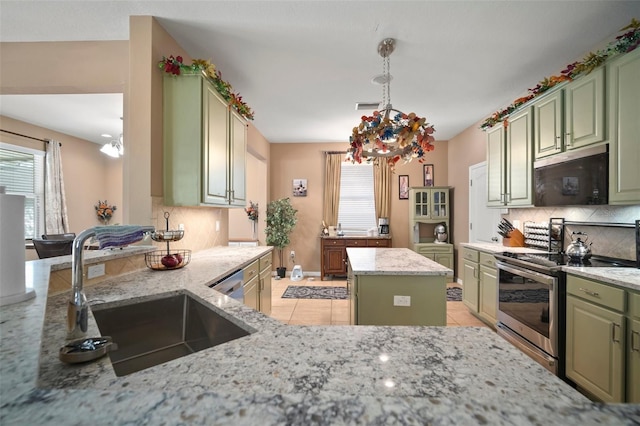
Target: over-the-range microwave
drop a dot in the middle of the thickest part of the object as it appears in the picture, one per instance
(573, 178)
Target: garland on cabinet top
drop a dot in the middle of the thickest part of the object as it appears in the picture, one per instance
(175, 66)
(622, 44)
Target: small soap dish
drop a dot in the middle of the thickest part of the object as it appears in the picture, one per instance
(87, 349)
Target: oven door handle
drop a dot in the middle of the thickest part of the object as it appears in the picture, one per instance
(541, 278)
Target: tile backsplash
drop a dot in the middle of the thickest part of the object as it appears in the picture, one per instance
(200, 225)
(612, 241)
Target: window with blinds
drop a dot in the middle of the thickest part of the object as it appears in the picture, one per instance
(357, 208)
(22, 173)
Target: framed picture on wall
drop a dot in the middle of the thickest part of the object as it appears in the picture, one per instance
(427, 171)
(403, 187)
(299, 187)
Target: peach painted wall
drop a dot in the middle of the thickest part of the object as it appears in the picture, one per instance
(306, 161)
(89, 175)
(63, 67)
(465, 149)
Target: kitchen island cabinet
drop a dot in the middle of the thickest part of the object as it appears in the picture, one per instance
(444, 375)
(396, 287)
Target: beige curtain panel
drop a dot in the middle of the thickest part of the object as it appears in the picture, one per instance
(55, 207)
(333, 164)
(382, 187)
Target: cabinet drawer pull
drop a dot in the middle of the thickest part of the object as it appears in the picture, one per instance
(635, 341)
(613, 332)
(589, 292)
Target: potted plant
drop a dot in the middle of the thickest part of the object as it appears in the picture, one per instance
(281, 218)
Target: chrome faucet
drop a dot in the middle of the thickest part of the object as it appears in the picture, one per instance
(78, 308)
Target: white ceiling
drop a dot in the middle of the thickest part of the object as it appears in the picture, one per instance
(86, 116)
(302, 65)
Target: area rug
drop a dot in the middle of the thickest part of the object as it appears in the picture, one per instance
(314, 292)
(454, 294)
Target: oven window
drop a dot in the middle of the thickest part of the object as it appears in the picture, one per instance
(525, 300)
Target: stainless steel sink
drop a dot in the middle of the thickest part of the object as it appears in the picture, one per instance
(151, 332)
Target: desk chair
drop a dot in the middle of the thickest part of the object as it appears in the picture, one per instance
(52, 248)
(68, 236)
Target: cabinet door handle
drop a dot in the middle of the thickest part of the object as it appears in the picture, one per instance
(556, 143)
(475, 273)
(589, 292)
(568, 138)
(635, 341)
(614, 326)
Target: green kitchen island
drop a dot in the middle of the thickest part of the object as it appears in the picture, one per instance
(396, 286)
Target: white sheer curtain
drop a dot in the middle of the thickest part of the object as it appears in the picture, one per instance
(55, 208)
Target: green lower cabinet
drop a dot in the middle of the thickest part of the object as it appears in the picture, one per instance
(633, 375)
(595, 349)
(399, 300)
(633, 351)
(251, 294)
(470, 285)
(488, 294)
(440, 253)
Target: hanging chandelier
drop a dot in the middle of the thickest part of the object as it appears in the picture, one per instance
(390, 133)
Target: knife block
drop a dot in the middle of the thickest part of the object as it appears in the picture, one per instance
(513, 239)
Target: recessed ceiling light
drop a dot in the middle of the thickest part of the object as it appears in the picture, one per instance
(106, 135)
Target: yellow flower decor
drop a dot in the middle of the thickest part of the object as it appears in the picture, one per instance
(622, 44)
(175, 66)
(104, 211)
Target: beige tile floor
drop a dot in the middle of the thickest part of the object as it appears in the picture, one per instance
(336, 312)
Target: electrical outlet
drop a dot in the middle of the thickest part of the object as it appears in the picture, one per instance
(217, 226)
(181, 227)
(95, 271)
(401, 300)
(293, 253)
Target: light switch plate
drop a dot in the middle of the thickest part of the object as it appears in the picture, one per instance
(95, 271)
(401, 300)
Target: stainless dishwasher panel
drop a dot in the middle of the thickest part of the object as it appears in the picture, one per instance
(231, 285)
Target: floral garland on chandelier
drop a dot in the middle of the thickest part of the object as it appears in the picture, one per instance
(623, 44)
(412, 134)
(175, 66)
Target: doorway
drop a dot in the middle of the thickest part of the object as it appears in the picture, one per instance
(483, 221)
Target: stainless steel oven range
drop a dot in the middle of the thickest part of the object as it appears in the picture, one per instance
(532, 303)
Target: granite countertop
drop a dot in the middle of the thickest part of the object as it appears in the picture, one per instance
(392, 261)
(628, 278)
(279, 374)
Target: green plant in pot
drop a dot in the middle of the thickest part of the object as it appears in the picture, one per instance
(281, 219)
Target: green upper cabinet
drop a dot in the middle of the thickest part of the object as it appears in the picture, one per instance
(571, 117)
(624, 124)
(495, 166)
(510, 162)
(519, 161)
(204, 145)
(548, 124)
(584, 114)
(429, 203)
